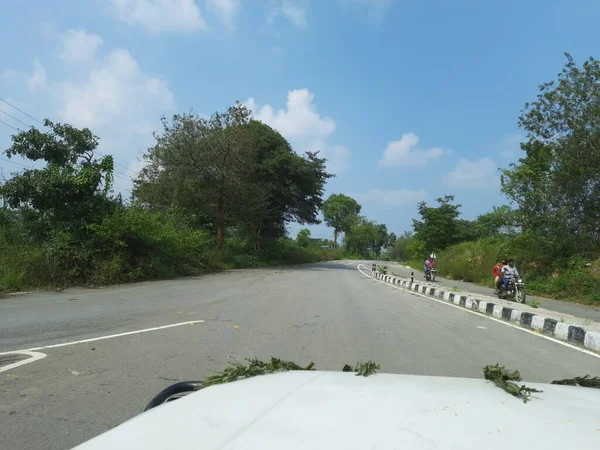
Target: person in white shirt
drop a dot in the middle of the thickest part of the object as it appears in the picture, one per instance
(508, 272)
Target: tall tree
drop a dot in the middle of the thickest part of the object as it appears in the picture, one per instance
(340, 213)
(201, 164)
(70, 192)
(438, 227)
(230, 170)
(380, 238)
(556, 184)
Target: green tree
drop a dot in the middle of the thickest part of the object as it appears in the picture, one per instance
(502, 220)
(303, 237)
(391, 240)
(70, 192)
(438, 227)
(366, 237)
(556, 185)
(231, 171)
(340, 213)
(200, 164)
(466, 230)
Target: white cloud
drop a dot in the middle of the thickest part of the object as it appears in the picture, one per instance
(303, 126)
(300, 120)
(376, 9)
(226, 10)
(79, 46)
(392, 197)
(480, 174)
(160, 15)
(404, 152)
(37, 80)
(292, 12)
(115, 91)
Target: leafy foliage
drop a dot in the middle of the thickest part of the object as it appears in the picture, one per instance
(505, 379)
(228, 177)
(341, 213)
(556, 184)
(438, 227)
(366, 237)
(363, 369)
(585, 381)
(255, 367)
(69, 192)
(303, 237)
(230, 170)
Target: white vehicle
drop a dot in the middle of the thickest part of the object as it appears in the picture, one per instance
(337, 410)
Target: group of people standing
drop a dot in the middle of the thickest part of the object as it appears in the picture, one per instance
(503, 272)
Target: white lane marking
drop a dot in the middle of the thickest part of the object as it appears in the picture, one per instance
(110, 336)
(482, 328)
(33, 356)
(525, 330)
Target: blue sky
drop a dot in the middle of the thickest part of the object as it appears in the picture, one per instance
(409, 100)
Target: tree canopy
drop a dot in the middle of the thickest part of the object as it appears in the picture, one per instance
(67, 194)
(556, 184)
(438, 227)
(232, 171)
(340, 212)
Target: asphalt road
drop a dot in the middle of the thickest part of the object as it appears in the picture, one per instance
(574, 309)
(328, 313)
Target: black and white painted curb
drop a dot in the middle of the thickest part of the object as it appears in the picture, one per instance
(546, 325)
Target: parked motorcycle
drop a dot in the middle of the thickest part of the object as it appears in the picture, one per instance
(515, 290)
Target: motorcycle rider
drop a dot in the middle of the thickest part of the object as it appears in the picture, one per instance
(508, 272)
(496, 273)
(428, 264)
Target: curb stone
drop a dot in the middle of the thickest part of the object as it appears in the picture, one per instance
(545, 325)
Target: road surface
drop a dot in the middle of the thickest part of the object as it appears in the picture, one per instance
(328, 313)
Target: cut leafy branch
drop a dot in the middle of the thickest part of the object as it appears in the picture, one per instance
(505, 379)
(585, 381)
(238, 371)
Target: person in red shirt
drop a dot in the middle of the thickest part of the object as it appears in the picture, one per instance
(496, 273)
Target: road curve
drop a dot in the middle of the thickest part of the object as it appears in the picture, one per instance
(328, 313)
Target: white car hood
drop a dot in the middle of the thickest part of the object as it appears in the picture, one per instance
(331, 410)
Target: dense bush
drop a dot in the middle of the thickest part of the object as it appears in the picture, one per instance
(134, 244)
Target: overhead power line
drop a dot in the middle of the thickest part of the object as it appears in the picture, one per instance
(14, 118)
(9, 126)
(21, 111)
(17, 163)
(41, 123)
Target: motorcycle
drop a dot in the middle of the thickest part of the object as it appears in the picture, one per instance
(430, 274)
(515, 290)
